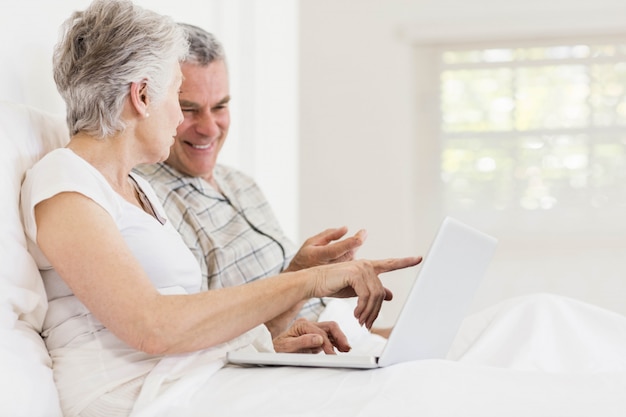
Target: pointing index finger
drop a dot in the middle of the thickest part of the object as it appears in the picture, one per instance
(391, 264)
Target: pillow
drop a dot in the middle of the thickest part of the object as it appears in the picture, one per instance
(26, 383)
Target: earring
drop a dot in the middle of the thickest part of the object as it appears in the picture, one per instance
(147, 114)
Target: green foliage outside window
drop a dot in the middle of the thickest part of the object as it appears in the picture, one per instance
(534, 128)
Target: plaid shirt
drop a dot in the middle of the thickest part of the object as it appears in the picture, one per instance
(234, 235)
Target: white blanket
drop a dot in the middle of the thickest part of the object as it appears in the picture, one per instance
(532, 356)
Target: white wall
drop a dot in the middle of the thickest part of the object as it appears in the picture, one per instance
(363, 146)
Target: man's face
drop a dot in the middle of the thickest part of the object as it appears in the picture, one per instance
(204, 97)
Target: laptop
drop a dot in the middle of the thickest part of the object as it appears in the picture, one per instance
(433, 311)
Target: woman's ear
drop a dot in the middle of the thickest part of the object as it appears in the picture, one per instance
(139, 97)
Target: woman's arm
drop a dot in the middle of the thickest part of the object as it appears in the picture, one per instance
(84, 245)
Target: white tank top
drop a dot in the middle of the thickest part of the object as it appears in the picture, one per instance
(88, 359)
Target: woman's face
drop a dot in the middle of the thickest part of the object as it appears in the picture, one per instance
(164, 117)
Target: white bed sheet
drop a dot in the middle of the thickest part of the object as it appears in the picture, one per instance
(422, 388)
(532, 356)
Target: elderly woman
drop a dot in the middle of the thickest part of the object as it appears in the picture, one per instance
(124, 290)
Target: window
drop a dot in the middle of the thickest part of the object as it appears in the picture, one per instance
(533, 137)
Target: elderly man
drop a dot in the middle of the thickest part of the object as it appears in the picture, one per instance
(221, 213)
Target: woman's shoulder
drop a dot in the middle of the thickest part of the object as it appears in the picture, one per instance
(61, 170)
(59, 156)
(58, 162)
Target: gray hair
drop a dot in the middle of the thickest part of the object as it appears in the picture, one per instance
(105, 48)
(204, 48)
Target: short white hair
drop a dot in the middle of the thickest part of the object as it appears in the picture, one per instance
(105, 48)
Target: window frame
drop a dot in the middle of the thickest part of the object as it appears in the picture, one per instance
(427, 57)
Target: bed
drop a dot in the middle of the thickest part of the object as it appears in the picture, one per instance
(540, 355)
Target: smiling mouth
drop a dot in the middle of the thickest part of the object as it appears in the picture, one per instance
(200, 147)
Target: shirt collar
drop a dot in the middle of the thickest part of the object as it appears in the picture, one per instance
(202, 186)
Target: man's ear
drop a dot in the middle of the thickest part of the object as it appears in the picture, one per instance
(139, 97)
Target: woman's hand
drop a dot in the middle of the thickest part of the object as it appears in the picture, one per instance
(320, 249)
(308, 337)
(360, 279)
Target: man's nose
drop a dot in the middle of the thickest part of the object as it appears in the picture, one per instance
(207, 125)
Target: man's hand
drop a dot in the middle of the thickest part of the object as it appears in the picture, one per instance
(308, 337)
(280, 323)
(319, 249)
